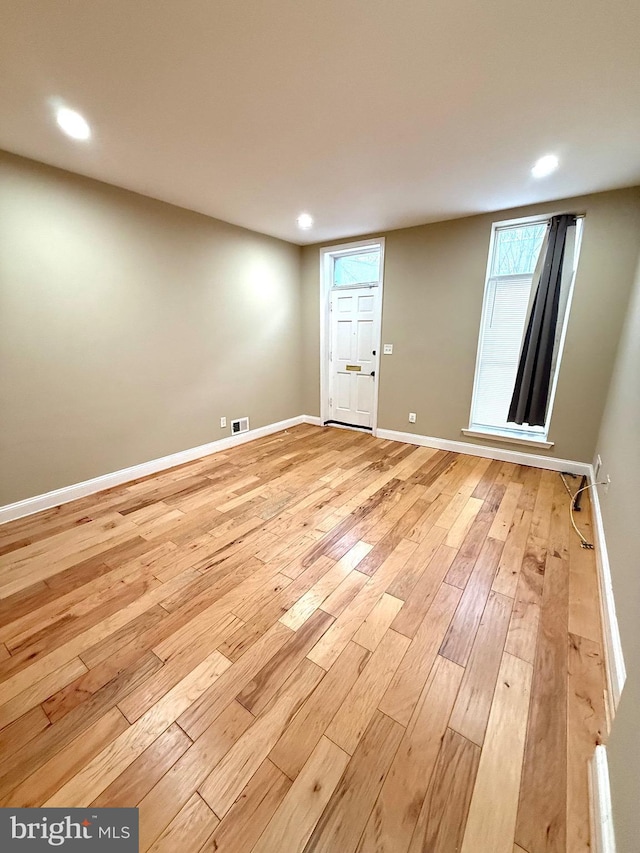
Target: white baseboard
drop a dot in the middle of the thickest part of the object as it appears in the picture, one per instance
(614, 658)
(520, 458)
(10, 512)
(314, 420)
(602, 834)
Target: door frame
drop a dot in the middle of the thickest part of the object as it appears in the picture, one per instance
(327, 255)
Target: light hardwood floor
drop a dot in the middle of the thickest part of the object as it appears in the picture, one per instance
(318, 641)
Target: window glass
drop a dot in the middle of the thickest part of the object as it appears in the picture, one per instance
(516, 249)
(359, 268)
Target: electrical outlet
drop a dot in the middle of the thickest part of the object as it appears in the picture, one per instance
(412, 417)
(387, 349)
(223, 423)
(608, 483)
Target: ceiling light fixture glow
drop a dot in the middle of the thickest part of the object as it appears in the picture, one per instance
(305, 221)
(72, 123)
(545, 166)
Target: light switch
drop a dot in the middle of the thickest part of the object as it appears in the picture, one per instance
(388, 349)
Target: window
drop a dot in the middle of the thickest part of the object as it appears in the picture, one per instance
(513, 255)
(356, 268)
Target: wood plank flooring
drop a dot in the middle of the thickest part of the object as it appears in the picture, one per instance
(318, 641)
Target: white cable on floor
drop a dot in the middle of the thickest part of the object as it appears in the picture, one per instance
(583, 541)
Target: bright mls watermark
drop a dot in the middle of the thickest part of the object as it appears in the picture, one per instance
(102, 830)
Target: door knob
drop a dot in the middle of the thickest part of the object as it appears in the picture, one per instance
(373, 373)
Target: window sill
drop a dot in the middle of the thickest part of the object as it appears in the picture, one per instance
(510, 439)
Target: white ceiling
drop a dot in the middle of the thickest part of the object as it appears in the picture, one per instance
(369, 114)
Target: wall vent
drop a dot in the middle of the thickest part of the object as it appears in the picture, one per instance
(239, 425)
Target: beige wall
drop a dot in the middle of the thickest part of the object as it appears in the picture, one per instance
(619, 447)
(128, 327)
(433, 289)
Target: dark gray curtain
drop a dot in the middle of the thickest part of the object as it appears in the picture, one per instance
(533, 380)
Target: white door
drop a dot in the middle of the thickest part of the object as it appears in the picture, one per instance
(353, 356)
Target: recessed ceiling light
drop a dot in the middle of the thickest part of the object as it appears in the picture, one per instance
(305, 221)
(545, 166)
(72, 123)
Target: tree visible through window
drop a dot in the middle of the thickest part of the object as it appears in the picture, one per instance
(516, 249)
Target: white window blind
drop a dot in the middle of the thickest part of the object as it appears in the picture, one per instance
(507, 301)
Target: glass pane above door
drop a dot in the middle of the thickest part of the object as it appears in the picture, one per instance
(358, 268)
